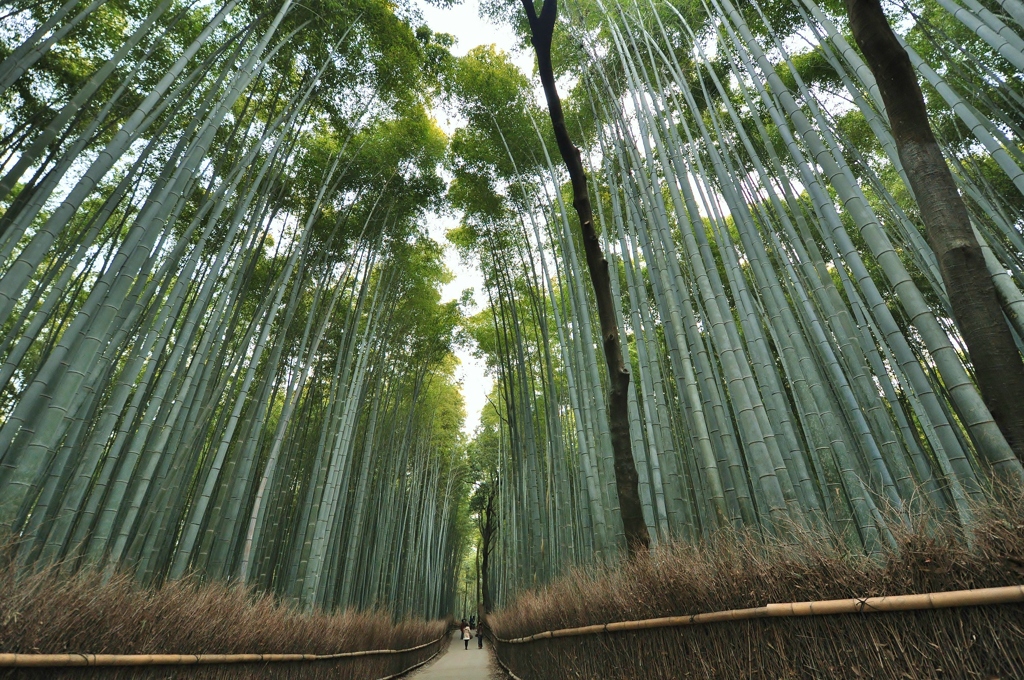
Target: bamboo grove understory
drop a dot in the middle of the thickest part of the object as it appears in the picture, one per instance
(223, 349)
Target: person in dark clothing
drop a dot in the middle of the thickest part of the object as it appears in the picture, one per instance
(480, 636)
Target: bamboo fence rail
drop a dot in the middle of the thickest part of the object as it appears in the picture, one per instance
(857, 605)
(417, 665)
(506, 668)
(69, 660)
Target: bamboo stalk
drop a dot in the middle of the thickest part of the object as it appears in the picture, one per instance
(66, 660)
(856, 605)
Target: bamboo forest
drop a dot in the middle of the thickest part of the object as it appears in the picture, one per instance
(324, 327)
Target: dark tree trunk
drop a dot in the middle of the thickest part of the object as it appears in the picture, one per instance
(626, 483)
(488, 528)
(972, 294)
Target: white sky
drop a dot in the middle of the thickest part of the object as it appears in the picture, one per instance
(464, 22)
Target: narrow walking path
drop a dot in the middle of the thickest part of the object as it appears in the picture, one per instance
(457, 663)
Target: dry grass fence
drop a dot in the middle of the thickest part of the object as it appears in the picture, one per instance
(48, 612)
(731, 573)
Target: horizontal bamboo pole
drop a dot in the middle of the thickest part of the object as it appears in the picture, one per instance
(857, 605)
(68, 660)
(417, 665)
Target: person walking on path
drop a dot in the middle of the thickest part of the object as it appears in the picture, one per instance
(452, 666)
(467, 635)
(480, 635)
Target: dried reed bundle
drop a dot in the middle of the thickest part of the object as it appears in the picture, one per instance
(51, 612)
(736, 572)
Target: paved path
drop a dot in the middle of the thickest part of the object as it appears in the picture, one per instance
(457, 663)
